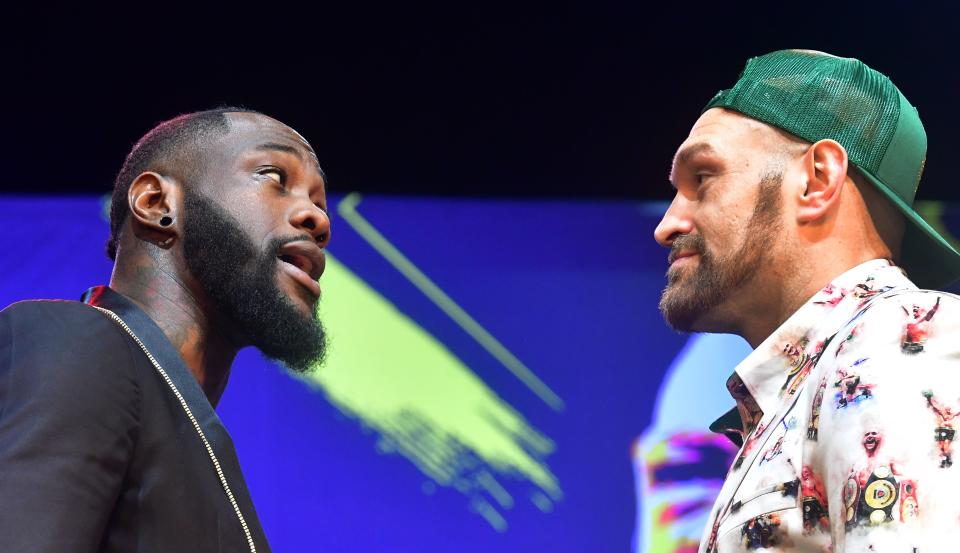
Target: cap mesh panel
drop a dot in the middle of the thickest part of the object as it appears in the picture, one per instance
(816, 96)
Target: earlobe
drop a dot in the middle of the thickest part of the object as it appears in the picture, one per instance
(825, 172)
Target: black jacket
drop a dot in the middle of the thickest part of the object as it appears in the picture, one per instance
(97, 454)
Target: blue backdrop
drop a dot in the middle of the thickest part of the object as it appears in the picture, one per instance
(494, 382)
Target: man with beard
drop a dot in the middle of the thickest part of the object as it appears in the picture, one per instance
(793, 227)
(108, 436)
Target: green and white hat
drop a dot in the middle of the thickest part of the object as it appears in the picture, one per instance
(813, 95)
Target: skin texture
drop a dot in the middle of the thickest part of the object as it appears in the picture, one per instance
(760, 221)
(262, 175)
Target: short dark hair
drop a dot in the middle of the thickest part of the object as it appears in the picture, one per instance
(171, 147)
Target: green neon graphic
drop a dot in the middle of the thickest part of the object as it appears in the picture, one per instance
(347, 209)
(424, 403)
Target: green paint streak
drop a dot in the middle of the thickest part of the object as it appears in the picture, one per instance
(347, 208)
(542, 502)
(487, 511)
(658, 453)
(495, 490)
(423, 402)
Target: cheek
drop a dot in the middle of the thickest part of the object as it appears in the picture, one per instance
(259, 215)
(727, 217)
(719, 230)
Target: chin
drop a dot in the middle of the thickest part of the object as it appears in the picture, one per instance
(686, 313)
(681, 322)
(301, 298)
(307, 306)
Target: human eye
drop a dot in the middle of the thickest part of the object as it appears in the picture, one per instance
(703, 181)
(274, 174)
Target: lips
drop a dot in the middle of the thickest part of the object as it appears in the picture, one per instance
(680, 255)
(304, 261)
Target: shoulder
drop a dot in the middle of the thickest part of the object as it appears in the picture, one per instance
(61, 341)
(882, 386)
(898, 339)
(906, 319)
(62, 311)
(57, 320)
(899, 300)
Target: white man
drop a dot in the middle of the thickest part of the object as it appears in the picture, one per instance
(793, 227)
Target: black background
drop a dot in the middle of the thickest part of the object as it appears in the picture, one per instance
(456, 98)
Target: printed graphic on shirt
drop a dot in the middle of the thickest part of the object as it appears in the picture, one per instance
(909, 507)
(852, 390)
(865, 291)
(877, 497)
(813, 428)
(776, 449)
(814, 502)
(871, 442)
(945, 431)
(851, 336)
(916, 331)
(797, 359)
(834, 295)
(773, 452)
(749, 445)
(800, 362)
(762, 532)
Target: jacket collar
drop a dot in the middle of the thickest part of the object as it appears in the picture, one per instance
(169, 358)
(159, 346)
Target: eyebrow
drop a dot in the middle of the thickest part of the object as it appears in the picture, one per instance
(686, 155)
(276, 146)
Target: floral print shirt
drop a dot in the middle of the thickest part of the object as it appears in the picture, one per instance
(848, 414)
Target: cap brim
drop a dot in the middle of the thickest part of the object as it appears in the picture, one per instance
(930, 261)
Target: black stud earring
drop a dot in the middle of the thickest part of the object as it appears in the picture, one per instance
(166, 221)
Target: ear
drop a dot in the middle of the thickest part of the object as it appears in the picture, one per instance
(154, 200)
(825, 172)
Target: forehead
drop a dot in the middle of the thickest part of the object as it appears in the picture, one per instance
(725, 133)
(252, 131)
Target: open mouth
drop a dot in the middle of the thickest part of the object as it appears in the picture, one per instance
(297, 261)
(304, 261)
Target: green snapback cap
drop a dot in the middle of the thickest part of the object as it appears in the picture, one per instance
(813, 95)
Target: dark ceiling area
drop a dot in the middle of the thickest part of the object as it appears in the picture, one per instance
(525, 100)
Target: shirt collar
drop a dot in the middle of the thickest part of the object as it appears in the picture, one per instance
(769, 369)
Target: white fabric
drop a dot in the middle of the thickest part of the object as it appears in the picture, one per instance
(870, 359)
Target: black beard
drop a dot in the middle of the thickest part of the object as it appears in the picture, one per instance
(688, 297)
(242, 282)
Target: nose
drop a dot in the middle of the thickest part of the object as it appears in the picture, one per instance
(675, 222)
(311, 219)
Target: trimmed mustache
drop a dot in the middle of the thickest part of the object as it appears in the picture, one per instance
(685, 243)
